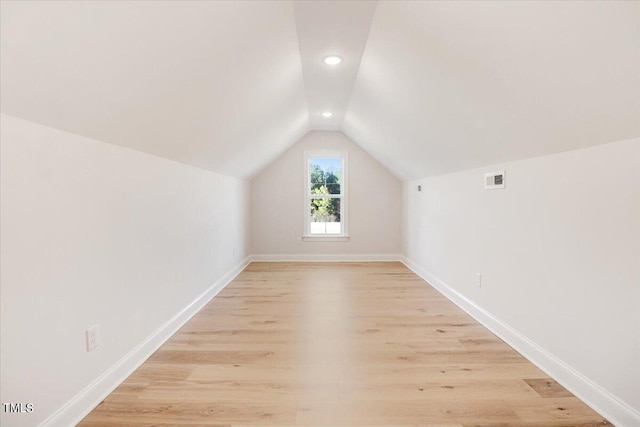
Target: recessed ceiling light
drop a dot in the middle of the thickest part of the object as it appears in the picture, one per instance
(327, 114)
(332, 60)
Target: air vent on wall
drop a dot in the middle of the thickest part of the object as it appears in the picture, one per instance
(494, 180)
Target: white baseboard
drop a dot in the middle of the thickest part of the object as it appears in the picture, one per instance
(325, 257)
(85, 401)
(609, 406)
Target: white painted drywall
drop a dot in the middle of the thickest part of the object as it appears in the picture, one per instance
(93, 233)
(277, 200)
(214, 84)
(558, 250)
(446, 86)
(331, 28)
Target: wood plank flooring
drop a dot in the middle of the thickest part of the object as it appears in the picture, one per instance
(344, 344)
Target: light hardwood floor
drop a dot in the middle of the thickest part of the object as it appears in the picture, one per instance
(344, 344)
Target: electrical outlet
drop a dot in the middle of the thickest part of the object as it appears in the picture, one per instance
(479, 280)
(93, 339)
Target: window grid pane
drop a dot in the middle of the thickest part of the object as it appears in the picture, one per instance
(325, 175)
(325, 216)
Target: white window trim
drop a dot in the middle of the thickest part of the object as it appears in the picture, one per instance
(325, 238)
(344, 236)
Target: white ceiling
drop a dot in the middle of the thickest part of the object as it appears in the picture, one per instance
(448, 86)
(331, 28)
(214, 84)
(228, 86)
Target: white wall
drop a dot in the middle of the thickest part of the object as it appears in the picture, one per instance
(94, 233)
(559, 254)
(277, 200)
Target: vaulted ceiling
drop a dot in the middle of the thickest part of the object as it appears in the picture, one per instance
(426, 87)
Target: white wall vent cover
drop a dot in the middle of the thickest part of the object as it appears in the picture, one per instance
(494, 180)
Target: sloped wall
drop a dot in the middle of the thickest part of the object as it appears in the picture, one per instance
(93, 233)
(277, 201)
(559, 254)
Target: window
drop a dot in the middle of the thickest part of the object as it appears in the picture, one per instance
(325, 194)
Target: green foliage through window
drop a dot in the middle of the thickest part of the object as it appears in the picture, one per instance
(325, 182)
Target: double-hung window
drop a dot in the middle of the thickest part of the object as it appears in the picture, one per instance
(325, 194)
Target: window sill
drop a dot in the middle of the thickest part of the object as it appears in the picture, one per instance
(325, 238)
